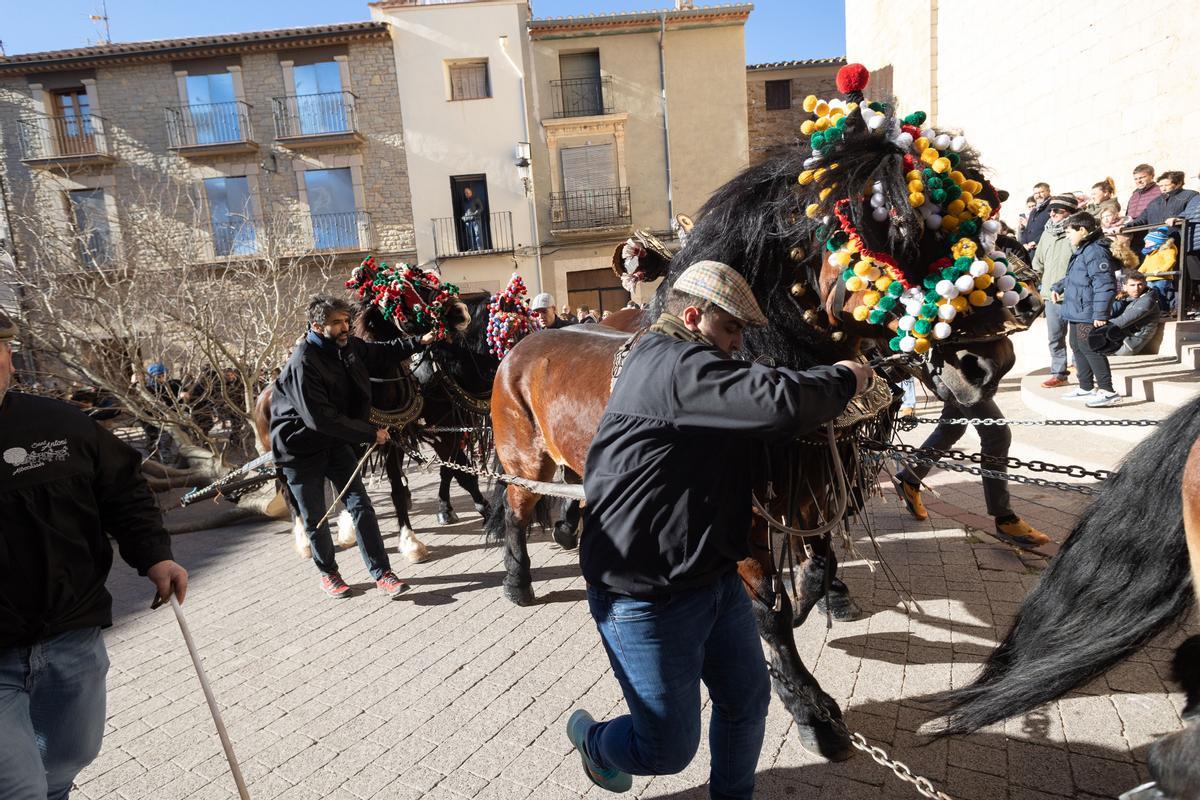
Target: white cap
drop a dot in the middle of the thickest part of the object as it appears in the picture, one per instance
(543, 300)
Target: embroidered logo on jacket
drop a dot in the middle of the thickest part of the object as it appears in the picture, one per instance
(39, 454)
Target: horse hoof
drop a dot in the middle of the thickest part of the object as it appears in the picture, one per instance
(841, 607)
(565, 537)
(484, 509)
(447, 517)
(519, 595)
(305, 553)
(825, 741)
(417, 555)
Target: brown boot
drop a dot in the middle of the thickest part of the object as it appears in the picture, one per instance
(911, 497)
(1017, 531)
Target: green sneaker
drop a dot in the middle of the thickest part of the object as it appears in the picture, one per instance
(610, 779)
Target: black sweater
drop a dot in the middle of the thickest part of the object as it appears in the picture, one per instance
(66, 484)
(670, 471)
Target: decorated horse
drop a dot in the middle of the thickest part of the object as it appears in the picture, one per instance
(862, 241)
(1126, 573)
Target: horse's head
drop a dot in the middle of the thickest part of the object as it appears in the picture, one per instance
(410, 300)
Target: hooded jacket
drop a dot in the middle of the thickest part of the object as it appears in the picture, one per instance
(67, 485)
(1051, 256)
(671, 468)
(1164, 207)
(322, 398)
(1088, 288)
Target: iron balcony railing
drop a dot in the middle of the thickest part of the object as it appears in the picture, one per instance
(491, 233)
(315, 114)
(591, 208)
(74, 136)
(346, 231)
(209, 124)
(582, 97)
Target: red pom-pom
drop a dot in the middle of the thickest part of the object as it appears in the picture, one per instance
(852, 78)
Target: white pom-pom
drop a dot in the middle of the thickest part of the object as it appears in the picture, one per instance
(912, 307)
(941, 141)
(999, 268)
(873, 274)
(941, 330)
(929, 133)
(904, 140)
(991, 226)
(979, 268)
(906, 323)
(879, 214)
(875, 124)
(1010, 299)
(933, 221)
(907, 344)
(877, 199)
(946, 289)
(914, 294)
(947, 312)
(958, 144)
(877, 187)
(964, 283)
(1006, 283)
(811, 161)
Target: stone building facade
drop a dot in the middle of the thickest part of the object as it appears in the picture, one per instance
(1067, 92)
(775, 100)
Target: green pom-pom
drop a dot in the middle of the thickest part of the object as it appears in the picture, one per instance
(834, 134)
(930, 281)
(895, 288)
(877, 316)
(887, 302)
(923, 326)
(841, 122)
(928, 173)
(894, 344)
(933, 181)
(963, 263)
(953, 158)
(818, 140)
(969, 227)
(847, 274)
(953, 191)
(928, 310)
(915, 118)
(876, 106)
(938, 196)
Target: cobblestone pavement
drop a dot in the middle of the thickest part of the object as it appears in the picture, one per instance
(452, 692)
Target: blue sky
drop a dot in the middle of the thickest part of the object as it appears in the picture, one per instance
(779, 30)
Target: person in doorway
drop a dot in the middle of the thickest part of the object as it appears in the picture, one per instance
(66, 486)
(472, 219)
(1050, 262)
(543, 309)
(668, 520)
(319, 415)
(1086, 293)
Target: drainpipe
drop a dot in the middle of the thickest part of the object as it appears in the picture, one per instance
(529, 191)
(662, 79)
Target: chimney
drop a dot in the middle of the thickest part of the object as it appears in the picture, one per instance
(685, 5)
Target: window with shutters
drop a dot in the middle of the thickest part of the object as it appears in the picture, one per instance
(469, 80)
(591, 196)
(779, 95)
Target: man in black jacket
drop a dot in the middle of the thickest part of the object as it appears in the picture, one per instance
(668, 483)
(66, 485)
(319, 415)
(1039, 215)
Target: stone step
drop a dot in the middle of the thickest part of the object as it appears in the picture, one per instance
(1051, 404)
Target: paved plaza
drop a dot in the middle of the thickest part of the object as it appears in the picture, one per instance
(453, 692)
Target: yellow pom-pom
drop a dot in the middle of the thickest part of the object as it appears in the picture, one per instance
(929, 155)
(862, 268)
(987, 260)
(871, 298)
(916, 186)
(916, 199)
(811, 210)
(960, 304)
(950, 223)
(967, 198)
(810, 102)
(955, 207)
(941, 301)
(883, 282)
(921, 144)
(921, 346)
(957, 177)
(977, 297)
(835, 115)
(821, 109)
(940, 165)
(851, 106)
(850, 246)
(984, 211)
(914, 175)
(861, 313)
(806, 177)
(819, 173)
(807, 127)
(834, 166)
(965, 215)
(840, 259)
(972, 186)
(983, 281)
(824, 193)
(822, 123)
(854, 284)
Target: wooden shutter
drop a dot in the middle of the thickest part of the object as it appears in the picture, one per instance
(589, 168)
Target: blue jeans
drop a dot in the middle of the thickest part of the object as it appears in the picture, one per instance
(1056, 331)
(660, 650)
(52, 697)
(307, 486)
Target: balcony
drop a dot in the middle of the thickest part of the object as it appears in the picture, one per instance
(590, 210)
(454, 237)
(316, 120)
(581, 97)
(64, 142)
(211, 129)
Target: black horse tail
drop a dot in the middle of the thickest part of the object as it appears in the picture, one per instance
(1121, 578)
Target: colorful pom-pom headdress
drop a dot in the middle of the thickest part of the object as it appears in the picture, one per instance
(405, 294)
(931, 190)
(509, 320)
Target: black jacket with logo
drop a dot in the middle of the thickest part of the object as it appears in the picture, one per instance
(322, 398)
(670, 471)
(66, 485)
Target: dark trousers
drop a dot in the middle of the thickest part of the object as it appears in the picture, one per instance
(994, 439)
(307, 486)
(1092, 367)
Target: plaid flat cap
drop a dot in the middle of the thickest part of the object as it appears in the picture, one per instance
(8, 328)
(724, 287)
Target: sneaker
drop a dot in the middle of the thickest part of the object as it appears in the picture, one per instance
(1103, 398)
(392, 586)
(611, 780)
(911, 497)
(1017, 531)
(1078, 394)
(1054, 381)
(334, 586)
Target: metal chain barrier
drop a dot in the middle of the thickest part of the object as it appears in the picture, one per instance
(923, 785)
(908, 423)
(910, 455)
(1011, 462)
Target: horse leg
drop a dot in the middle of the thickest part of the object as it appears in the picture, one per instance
(818, 718)
(413, 550)
(820, 587)
(469, 482)
(445, 514)
(518, 511)
(566, 529)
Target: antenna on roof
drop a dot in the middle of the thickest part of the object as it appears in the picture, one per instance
(103, 17)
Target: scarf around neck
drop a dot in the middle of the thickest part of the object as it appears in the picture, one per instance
(670, 325)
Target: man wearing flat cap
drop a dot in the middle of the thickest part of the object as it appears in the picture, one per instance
(1050, 261)
(668, 484)
(66, 486)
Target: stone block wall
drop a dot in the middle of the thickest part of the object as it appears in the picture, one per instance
(770, 129)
